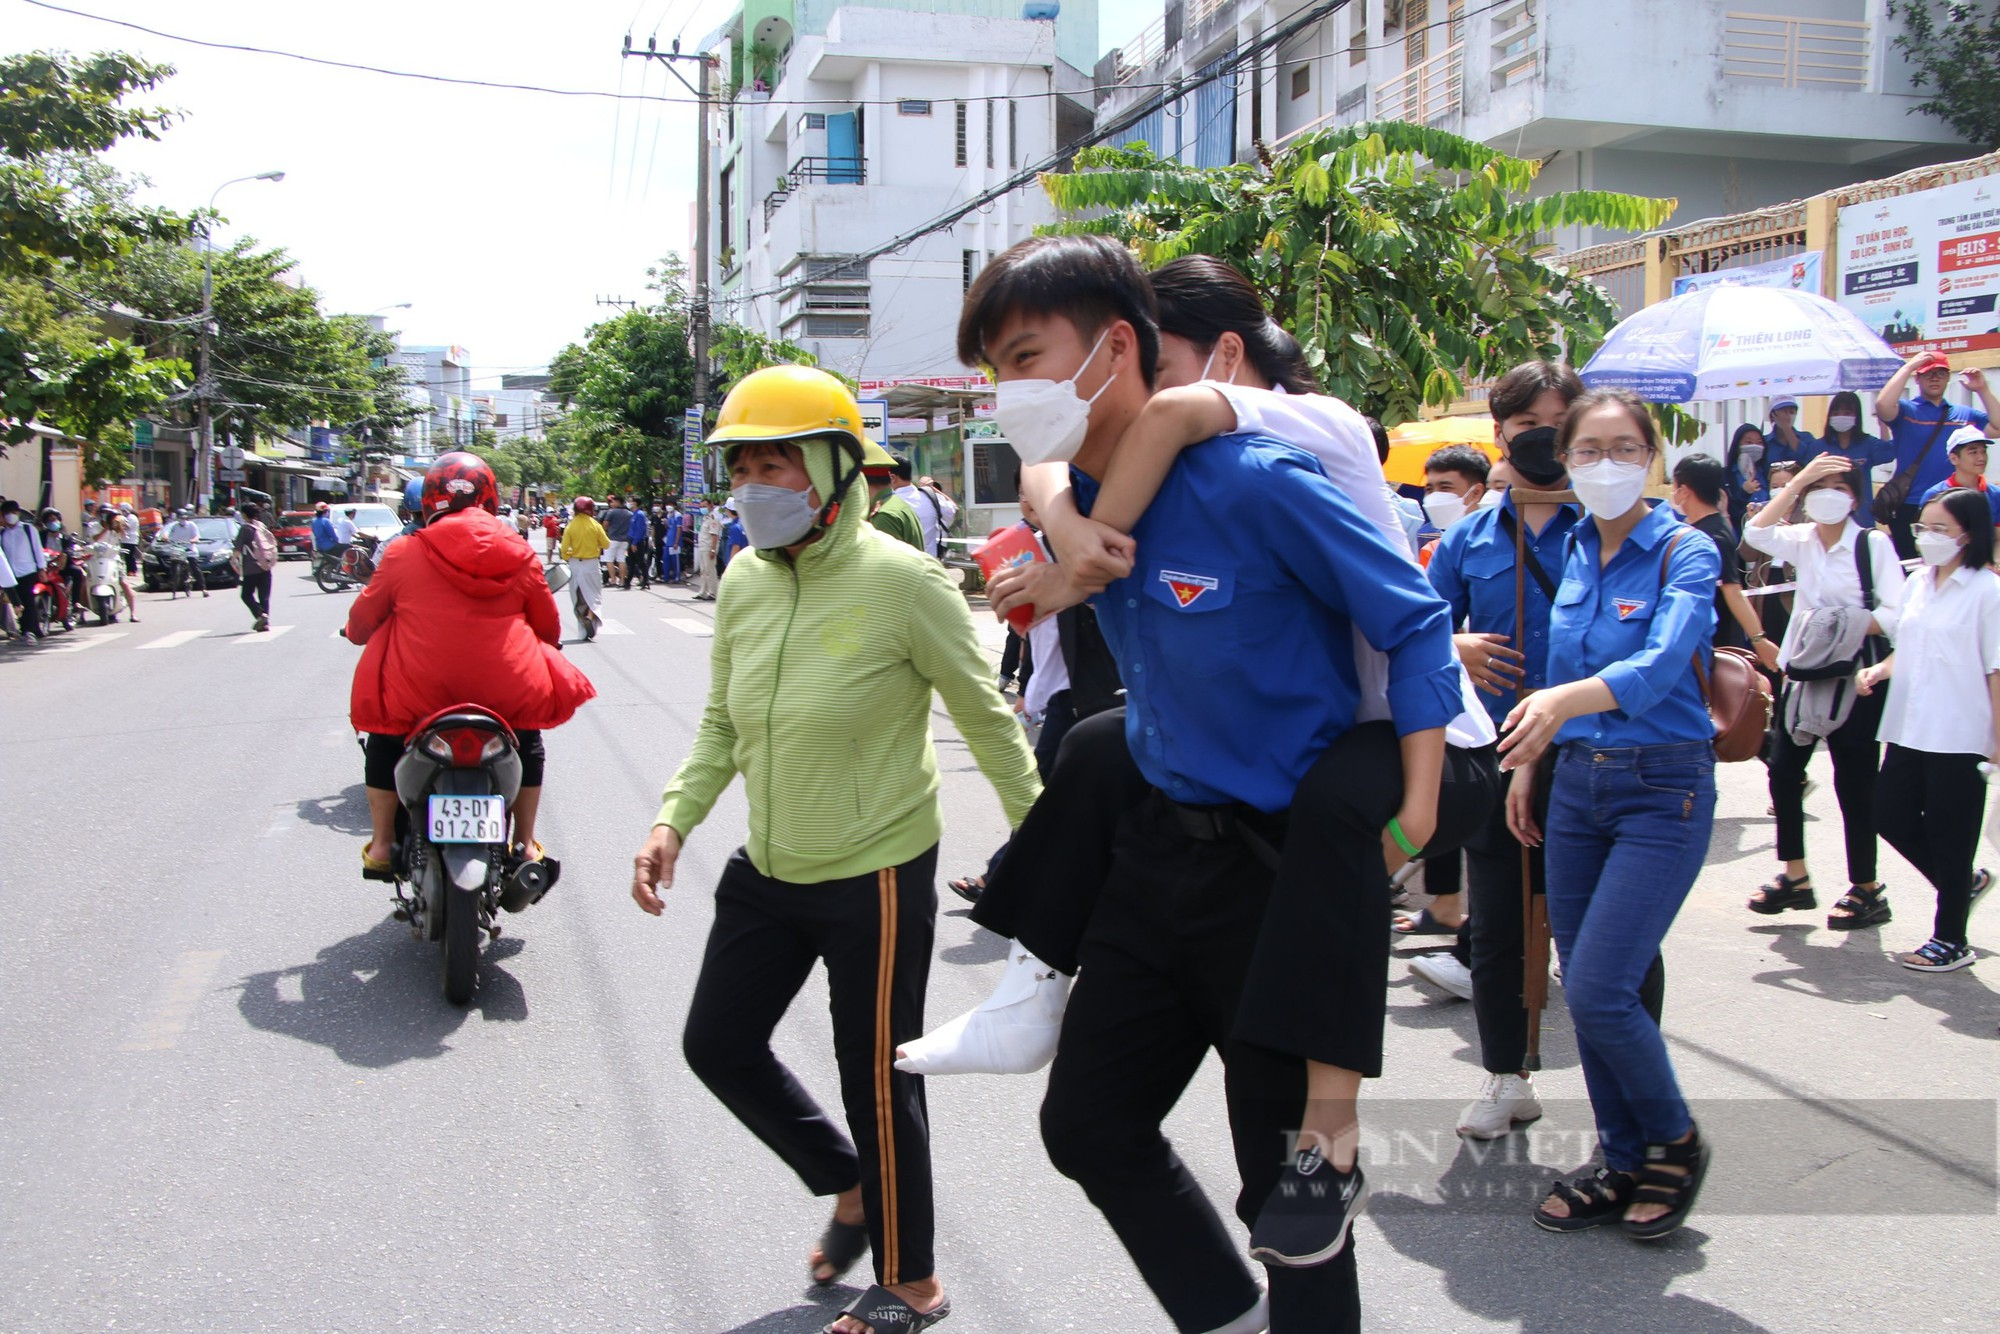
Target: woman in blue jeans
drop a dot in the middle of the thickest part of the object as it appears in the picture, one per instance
(1631, 805)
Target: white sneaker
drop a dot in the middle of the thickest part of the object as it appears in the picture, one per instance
(1504, 1101)
(1013, 1032)
(1444, 970)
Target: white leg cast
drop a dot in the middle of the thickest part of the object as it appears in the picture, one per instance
(1013, 1032)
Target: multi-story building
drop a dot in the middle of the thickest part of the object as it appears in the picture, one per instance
(1726, 105)
(443, 375)
(844, 127)
(520, 407)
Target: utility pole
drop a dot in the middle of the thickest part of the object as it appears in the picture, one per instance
(704, 96)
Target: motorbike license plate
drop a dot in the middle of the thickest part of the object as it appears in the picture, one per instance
(468, 820)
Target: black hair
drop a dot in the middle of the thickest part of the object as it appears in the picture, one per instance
(1589, 402)
(1704, 475)
(1381, 434)
(903, 469)
(1471, 464)
(1853, 402)
(1971, 511)
(249, 510)
(10, 506)
(1517, 390)
(1088, 280)
(1201, 298)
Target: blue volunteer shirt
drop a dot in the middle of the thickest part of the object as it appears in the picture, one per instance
(1915, 419)
(1623, 624)
(673, 526)
(324, 538)
(1992, 496)
(636, 534)
(1234, 631)
(1473, 570)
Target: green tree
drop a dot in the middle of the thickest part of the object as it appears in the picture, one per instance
(1404, 259)
(61, 213)
(1955, 47)
(626, 388)
(738, 351)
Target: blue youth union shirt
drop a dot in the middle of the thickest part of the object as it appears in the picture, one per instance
(1473, 570)
(1915, 419)
(636, 534)
(1622, 623)
(1234, 632)
(1992, 494)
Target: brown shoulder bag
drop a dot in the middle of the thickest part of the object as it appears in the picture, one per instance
(1736, 692)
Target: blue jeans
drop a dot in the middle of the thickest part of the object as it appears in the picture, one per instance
(1627, 833)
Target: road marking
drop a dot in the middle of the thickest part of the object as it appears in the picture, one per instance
(76, 645)
(175, 640)
(266, 637)
(168, 1019)
(610, 627)
(689, 625)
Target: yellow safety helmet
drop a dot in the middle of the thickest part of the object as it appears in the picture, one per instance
(874, 456)
(789, 403)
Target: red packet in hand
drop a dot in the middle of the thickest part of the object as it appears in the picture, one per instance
(1008, 547)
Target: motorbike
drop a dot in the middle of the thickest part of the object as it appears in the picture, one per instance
(354, 568)
(52, 596)
(102, 572)
(454, 871)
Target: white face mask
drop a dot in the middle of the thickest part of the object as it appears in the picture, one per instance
(772, 516)
(1609, 489)
(1842, 423)
(1044, 420)
(1829, 506)
(1444, 509)
(1210, 362)
(1937, 548)
(1750, 454)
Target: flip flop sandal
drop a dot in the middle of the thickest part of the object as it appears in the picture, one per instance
(374, 870)
(1592, 1202)
(1863, 908)
(1784, 893)
(968, 887)
(1423, 924)
(886, 1313)
(1674, 1189)
(839, 1247)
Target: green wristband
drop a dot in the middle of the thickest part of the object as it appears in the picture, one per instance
(1410, 850)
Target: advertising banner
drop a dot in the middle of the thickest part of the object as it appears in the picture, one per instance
(1923, 269)
(692, 483)
(1804, 272)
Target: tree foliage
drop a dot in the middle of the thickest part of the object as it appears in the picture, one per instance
(63, 213)
(1955, 47)
(1404, 259)
(626, 388)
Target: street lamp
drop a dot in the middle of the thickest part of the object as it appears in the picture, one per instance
(205, 466)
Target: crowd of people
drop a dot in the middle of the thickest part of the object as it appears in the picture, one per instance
(1286, 683)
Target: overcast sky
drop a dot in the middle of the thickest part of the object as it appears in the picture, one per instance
(501, 216)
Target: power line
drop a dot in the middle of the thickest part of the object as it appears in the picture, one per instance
(527, 87)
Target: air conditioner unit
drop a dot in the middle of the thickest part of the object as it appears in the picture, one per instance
(1392, 15)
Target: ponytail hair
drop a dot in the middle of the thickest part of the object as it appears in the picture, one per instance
(1201, 298)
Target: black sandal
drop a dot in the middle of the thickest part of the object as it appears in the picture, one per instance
(1863, 908)
(1784, 893)
(1592, 1202)
(1676, 1190)
(968, 887)
(883, 1311)
(839, 1247)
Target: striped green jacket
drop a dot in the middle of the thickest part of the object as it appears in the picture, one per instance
(822, 677)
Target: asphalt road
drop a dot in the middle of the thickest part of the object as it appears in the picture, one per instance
(234, 1098)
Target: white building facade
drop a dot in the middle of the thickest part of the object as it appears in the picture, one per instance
(1726, 105)
(837, 141)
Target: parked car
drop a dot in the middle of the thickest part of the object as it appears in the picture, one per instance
(294, 533)
(211, 551)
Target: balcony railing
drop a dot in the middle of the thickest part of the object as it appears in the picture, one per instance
(775, 201)
(1143, 50)
(1426, 94)
(1517, 46)
(828, 171)
(1794, 52)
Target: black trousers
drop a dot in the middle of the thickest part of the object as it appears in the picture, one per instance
(256, 590)
(1900, 525)
(1929, 807)
(874, 934)
(1496, 934)
(1164, 963)
(1010, 655)
(1320, 989)
(1856, 756)
(23, 597)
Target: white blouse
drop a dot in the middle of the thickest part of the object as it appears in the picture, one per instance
(1828, 578)
(1948, 642)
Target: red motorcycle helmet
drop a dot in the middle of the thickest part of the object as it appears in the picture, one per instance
(584, 505)
(458, 481)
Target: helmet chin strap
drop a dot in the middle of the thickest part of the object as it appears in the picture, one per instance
(831, 510)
